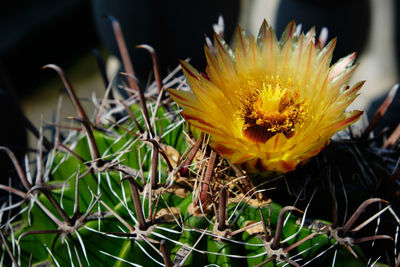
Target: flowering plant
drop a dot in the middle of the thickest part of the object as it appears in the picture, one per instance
(270, 105)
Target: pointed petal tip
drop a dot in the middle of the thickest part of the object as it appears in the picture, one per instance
(179, 96)
(334, 41)
(353, 55)
(217, 37)
(181, 61)
(189, 70)
(289, 32)
(323, 36)
(264, 23)
(263, 31)
(292, 28)
(292, 24)
(355, 88)
(355, 117)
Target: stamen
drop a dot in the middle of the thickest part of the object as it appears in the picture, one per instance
(275, 108)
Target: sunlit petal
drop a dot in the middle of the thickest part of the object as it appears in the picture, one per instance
(270, 104)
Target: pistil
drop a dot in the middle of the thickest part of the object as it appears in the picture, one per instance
(273, 109)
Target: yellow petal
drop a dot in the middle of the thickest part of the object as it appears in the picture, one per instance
(270, 105)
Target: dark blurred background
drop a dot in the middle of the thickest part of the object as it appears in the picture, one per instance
(41, 32)
(36, 33)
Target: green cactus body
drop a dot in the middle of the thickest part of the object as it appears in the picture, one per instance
(190, 237)
(225, 248)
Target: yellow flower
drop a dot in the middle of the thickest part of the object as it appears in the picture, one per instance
(270, 104)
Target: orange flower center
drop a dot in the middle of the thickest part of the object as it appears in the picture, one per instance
(271, 110)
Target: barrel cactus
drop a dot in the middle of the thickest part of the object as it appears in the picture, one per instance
(247, 174)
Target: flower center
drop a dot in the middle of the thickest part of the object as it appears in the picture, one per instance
(272, 110)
